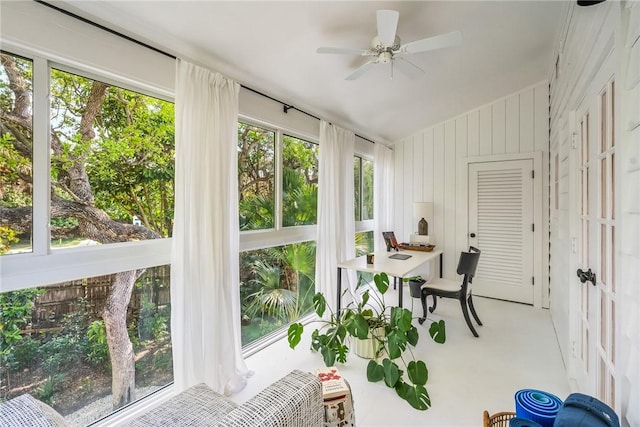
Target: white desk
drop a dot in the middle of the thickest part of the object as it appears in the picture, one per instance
(398, 268)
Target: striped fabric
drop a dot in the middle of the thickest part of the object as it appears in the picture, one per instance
(293, 401)
(197, 406)
(25, 410)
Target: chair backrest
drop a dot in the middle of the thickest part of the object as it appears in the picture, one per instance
(467, 264)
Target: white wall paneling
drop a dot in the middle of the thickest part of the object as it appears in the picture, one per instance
(514, 124)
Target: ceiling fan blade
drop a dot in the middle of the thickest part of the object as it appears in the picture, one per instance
(408, 68)
(387, 26)
(360, 71)
(344, 51)
(432, 43)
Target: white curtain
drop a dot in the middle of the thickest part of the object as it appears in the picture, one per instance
(205, 303)
(382, 194)
(336, 214)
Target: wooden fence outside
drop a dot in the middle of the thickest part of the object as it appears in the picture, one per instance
(66, 298)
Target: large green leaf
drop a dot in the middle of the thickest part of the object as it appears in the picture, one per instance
(341, 353)
(358, 327)
(319, 304)
(375, 371)
(418, 373)
(391, 373)
(418, 397)
(438, 332)
(382, 282)
(412, 336)
(294, 334)
(401, 318)
(396, 344)
(329, 355)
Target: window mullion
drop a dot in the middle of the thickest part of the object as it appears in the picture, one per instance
(278, 194)
(41, 157)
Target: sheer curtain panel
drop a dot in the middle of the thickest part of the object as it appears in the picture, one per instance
(382, 194)
(205, 302)
(336, 214)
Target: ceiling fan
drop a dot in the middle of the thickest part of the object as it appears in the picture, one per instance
(386, 48)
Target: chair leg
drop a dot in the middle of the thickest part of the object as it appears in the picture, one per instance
(435, 302)
(473, 310)
(423, 300)
(465, 312)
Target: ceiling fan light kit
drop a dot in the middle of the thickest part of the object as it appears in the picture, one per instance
(386, 47)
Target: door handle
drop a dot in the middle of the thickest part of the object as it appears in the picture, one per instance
(472, 235)
(586, 276)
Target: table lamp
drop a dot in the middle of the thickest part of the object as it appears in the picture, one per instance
(423, 210)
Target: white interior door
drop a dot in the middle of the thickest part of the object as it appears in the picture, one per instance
(595, 310)
(501, 226)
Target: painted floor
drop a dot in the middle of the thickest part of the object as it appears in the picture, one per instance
(517, 349)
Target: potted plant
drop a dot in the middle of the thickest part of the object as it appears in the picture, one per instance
(394, 347)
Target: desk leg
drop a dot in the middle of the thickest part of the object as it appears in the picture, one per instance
(441, 265)
(339, 292)
(399, 279)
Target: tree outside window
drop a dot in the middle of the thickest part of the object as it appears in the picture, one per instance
(112, 169)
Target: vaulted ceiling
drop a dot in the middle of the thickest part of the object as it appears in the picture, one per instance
(271, 47)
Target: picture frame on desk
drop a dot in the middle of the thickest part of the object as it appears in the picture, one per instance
(390, 240)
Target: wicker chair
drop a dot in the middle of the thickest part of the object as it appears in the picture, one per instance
(500, 419)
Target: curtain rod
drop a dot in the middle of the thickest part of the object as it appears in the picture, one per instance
(285, 107)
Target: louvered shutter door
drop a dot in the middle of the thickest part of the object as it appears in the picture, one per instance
(502, 224)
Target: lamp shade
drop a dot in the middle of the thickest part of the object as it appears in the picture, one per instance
(423, 210)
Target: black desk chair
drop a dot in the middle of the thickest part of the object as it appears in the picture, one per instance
(451, 289)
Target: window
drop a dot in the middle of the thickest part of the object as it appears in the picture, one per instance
(363, 188)
(363, 191)
(110, 152)
(16, 153)
(256, 177)
(299, 181)
(276, 287)
(55, 347)
(278, 186)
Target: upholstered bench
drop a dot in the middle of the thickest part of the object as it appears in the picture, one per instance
(293, 401)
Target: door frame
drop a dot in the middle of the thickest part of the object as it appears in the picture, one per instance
(541, 235)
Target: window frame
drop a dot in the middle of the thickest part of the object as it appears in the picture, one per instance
(43, 265)
(278, 235)
(368, 224)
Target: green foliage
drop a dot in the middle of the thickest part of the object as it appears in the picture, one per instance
(70, 345)
(7, 237)
(49, 388)
(162, 360)
(15, 314)
(98, 349)
(358, 320)
(21, 355)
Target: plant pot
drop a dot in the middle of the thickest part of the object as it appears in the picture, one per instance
(368, 347)
(415, 287)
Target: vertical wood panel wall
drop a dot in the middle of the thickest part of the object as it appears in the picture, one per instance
(426, 162)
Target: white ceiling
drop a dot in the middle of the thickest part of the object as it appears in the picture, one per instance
(271, 47)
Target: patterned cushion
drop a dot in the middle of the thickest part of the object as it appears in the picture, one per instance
(24, 410)
(293, 401)
(196, 406)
